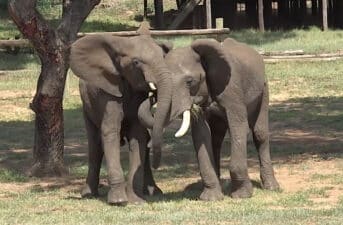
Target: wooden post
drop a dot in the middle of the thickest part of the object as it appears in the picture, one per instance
(338, 13)
(145, 14)
(250, 9)
(208, 14)
(159, 19)
(314, 7)
(267, 12)
(325, 15)
(260, 15)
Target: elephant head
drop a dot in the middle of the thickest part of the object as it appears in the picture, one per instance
(201, 74)
(106, 61)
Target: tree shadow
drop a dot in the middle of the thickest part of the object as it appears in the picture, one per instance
(9, 61)
(307, 125)
(17, 139)
(300, 127)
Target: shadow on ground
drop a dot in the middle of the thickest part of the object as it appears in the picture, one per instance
(300, 128)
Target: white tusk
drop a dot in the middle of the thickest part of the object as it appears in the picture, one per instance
(154, 106)
(150, 94)
(186, 120)
(152, 86)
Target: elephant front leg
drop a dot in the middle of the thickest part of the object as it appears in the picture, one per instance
(202, 143)
(110, 133)
(117, 193)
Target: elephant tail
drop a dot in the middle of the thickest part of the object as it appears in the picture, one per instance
(261, 128)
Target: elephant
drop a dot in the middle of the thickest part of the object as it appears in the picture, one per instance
(116, 74)
(220, 86)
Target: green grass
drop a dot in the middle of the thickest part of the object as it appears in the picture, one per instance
(302, 99)
(306, 98)
(7, 175)
(333, 178)
(51, 207)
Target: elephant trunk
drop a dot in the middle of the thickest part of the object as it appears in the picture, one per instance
(164, 95)
(145, 115)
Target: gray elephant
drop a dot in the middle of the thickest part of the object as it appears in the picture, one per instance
(226, 83)
(116, 75)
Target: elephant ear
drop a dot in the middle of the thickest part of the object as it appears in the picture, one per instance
(93, 58)
(165, 45)
(215, 62)
(144, 28)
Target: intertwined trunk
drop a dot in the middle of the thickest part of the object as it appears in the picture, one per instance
(52, 47)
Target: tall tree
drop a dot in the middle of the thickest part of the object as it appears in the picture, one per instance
(52, 47)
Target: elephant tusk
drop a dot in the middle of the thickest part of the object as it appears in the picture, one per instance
(154, 106)
(152, 86)
(151, 94)
(186, 120)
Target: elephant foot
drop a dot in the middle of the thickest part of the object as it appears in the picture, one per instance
(241, 189)
(87, 192)
(117, 196)
(270, 183)
(152, 190)
(212, 194)
(134, 199)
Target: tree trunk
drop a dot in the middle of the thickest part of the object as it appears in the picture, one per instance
(52, 47)
(49, 126)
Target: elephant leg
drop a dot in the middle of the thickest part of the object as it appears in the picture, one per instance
(138, 137)
(201, 135)
(241, 186)
(95, 155)
(110, 134)
(261, 140)
(218, 130)
(150, 187)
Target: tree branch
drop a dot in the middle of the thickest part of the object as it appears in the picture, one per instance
(74, 13)
(33, 26)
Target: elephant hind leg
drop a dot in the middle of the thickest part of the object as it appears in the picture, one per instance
(241, 186)
(261, 141)
(95, 155)
(150, 186)
(138, 137)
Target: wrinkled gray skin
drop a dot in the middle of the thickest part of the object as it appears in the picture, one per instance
(227, 81)
(114, 72)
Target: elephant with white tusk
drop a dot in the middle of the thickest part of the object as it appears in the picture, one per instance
(227, 83)
(116, 75)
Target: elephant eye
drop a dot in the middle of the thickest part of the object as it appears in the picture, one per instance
(136, 62)
(189, 81)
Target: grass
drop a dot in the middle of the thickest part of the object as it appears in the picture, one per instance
(306, 131)
(298, 92)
